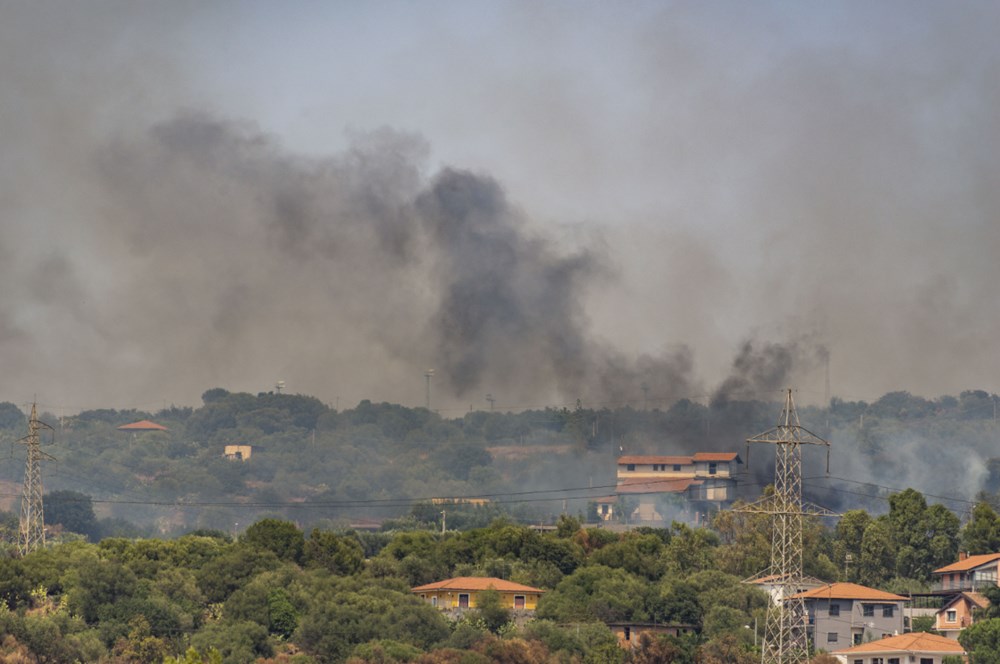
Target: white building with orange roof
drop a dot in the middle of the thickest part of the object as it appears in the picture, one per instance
(845, 614)
(912, 648)
(463, 593)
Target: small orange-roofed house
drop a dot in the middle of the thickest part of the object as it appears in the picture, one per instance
(844, 614)
(958, 613)
(463, 593)
(911, 648)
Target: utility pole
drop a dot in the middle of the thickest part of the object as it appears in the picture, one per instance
(490, 399)
(31, 531)
(428, 375)
(785, 636)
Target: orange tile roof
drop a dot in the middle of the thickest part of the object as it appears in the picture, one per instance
(969, 563)
(977, 599)
(913, 642)
(717, 456)
(477, 583)
(646, 485)
(849, 591)
(682, 460)
(143, 425)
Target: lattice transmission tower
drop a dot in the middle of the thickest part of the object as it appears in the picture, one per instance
(31, 534)
(785, 636)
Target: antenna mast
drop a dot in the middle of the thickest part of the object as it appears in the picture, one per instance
(785, 638)
(31, 533)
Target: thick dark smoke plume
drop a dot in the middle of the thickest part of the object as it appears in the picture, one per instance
(252, 249)
(760, 368)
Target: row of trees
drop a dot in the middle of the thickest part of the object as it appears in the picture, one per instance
(332, 596)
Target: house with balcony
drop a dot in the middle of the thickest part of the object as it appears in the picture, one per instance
(969, 574)
(958, 613)
(912, 648)
(460, 593)
(846, 614)
(706, 481)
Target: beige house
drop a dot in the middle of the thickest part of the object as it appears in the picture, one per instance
(463, 593)
(911, 648)
(238, 452)
(957, 613)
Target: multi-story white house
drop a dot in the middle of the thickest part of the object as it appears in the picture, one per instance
(706, 479)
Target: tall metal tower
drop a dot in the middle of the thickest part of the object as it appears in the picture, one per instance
(785, 637)
(31, 534)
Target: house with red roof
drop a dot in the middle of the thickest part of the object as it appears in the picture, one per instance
(463, 593)
(969, 573)
(914, 647)
(850, 614)
(706, 479)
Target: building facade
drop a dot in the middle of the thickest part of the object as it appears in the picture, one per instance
(912, 648)
(706, 481)
(847, 614)
(463, 593)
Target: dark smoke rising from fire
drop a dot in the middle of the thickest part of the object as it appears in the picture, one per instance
(439, 272)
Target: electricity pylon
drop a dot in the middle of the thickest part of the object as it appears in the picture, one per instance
(785, 637)
(31, 534)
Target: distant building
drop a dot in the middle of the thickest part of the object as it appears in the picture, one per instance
(911, 648)
(605, 507)
(238, 452)
(706, 479)
(630, 633)
(463, 593)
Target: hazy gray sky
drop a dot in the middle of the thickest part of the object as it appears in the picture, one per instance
(544, 201)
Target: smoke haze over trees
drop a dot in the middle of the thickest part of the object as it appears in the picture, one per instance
(595, 200)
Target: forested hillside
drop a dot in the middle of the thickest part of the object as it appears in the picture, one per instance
(315, 465)
(258, 559)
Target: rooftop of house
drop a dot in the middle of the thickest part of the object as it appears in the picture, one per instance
(968, 563)
(679, 460)
(143, 425)
(977, 599)
(912, 642)
(640, 485)
(475, 583)
(841, 590)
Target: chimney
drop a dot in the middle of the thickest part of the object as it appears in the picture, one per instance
(962, 555)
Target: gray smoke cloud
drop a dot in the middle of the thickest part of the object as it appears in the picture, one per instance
(577, 211)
